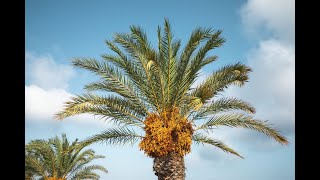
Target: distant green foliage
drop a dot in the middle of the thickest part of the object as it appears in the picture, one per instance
(58, 159)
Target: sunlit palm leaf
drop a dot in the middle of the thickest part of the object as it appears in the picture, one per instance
(114, 136)
(244, 121)
(223, 105)
(58, 158)
(199, 138)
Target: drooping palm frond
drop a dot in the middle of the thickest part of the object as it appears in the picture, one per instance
(244, 121)
(200, 138)
(30, 171)
(118, 109)
(39, 154)
(88, 172)
(78, 160)
(58, 158)
(114, 80)
(223, 105)
(236, 74)
(80, 164)
(112, 136)
(33, 166)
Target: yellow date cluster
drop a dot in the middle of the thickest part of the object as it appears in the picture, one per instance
(166, 132)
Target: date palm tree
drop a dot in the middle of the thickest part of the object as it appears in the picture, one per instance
(151, 89)
(57, 159)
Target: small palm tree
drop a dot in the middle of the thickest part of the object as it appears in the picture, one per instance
(57, 159)
(151, 90)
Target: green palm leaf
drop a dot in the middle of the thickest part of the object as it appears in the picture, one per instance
(120, 110)
(236, 74)
(244, 121)
(114, 136)
(58, 158)
(199, 138)
(223, 105)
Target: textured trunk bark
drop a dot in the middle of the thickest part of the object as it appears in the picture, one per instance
(169, 167)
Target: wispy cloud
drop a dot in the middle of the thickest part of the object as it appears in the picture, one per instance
(270, 16)
(41, 104)
(47, 91)
(46, 73)
(271, 86)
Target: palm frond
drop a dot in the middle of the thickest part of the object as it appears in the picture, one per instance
(175, 48)
(199, 138)
(244, 121)
(34, 165)
(236, 74)
(78, 159)
(96, 167)
(43, 151)
(56, 145)
(56, 157)
(85, 174)
(223, 105)
(122, 111)
(141, 57)
(132, 70)
(142, 53)
(113, 136)
(117, 50)
(197, 62)
(140, 36)
(81, 161)
(113, 79)
(197, 36)
(165, 64)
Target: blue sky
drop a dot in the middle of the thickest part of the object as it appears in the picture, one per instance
(259, 33)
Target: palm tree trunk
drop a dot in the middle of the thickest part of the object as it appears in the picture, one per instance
(169, 167)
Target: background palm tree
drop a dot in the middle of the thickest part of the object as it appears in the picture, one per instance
(57, 159)
(151, 90)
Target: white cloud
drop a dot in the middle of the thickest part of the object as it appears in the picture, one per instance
(271, 90)
(276, 16)
(273, 64)
(271, 87)
(41, 105)
(47, 92)
(272, 83)
(44, 72)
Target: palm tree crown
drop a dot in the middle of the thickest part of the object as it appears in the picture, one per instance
(57, 159)
(151, 88)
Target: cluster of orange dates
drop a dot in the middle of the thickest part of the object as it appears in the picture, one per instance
(54, 178)
(166, 132)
